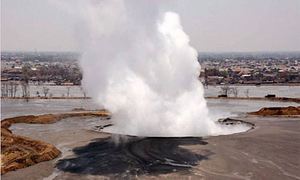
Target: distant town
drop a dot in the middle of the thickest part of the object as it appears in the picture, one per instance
(41, 68)
(52, 68)
(250, 69)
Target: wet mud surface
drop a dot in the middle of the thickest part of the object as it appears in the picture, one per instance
(269, 151)
(136, 156)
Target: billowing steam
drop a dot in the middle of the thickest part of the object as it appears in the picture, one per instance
(138, 63)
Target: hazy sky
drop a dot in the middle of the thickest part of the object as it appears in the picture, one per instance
(213, 25)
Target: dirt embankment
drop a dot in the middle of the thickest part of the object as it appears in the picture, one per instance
(20, 152)
(278, 111)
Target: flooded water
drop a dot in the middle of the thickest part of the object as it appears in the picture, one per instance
(218, 108)
(221, 108)
(258, 91)
(17, 107)
(55, 91)
(243, 91)
(77, 141)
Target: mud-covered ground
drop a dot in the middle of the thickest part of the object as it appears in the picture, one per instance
(270, 151)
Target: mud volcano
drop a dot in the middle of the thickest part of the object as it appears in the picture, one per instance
(125, 156)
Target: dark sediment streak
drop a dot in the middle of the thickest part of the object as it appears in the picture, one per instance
(137, 156)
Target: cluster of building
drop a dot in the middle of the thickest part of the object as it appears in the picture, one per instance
(40, 70)
(259, 69)
(226, 68)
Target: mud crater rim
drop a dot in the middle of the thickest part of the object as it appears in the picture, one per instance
(223, 122)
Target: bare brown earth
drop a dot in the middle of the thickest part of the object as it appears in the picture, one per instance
(19, 151)
(278, 111)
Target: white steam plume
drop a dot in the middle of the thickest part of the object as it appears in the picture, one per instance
(138, 63)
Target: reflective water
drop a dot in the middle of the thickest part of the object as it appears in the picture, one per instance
(17, 107)
(253, 91)
(218, 107)
(258, 91)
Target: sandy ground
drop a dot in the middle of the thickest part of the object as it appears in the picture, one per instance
(270, 151)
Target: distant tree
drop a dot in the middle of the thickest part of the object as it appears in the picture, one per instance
(24, 85)
(45, 91)
(4, 89)
(83, 91)
(235, 91)
(225, 90)
(247, 93)
(37, 93)
(68, 91)
(26, 73)
(25, 91)
(15, 89)
(12, 88)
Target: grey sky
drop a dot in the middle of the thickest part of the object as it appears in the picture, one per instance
(213, 25)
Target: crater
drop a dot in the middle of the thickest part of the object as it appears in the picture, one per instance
(225, 126)
(128, 156)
